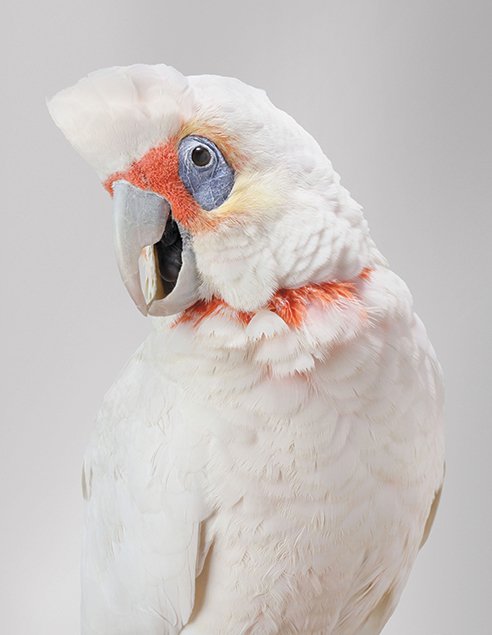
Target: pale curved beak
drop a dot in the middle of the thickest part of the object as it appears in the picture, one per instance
(142, 230)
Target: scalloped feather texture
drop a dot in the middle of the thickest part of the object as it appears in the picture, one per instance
(255, 478)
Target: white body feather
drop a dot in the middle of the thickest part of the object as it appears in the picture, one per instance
(313, 489)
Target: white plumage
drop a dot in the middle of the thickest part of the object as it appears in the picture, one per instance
(255, 470)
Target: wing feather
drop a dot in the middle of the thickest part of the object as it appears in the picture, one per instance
(144, 484)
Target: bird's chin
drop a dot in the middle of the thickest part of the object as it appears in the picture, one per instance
(154, 253)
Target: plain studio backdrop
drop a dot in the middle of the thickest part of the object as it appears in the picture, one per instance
(398, 94)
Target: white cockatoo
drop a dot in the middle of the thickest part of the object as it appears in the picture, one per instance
(270, 459)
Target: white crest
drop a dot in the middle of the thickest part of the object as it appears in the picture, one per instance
(113, 116)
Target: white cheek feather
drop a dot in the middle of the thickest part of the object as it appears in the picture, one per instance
(283, 242)
(292, 221)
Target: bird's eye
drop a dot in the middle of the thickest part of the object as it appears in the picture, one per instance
(201, 156)
(204, 171)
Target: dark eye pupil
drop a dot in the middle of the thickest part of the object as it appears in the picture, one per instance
(200, 156)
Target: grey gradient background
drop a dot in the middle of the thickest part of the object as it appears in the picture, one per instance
(398, 93)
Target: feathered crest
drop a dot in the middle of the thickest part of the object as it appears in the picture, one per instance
(102, 115)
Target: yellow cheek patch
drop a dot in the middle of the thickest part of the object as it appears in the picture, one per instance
(253, 195)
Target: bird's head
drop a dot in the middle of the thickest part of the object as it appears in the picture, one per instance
(217, 193)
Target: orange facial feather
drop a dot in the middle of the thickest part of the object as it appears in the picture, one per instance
(158, 172)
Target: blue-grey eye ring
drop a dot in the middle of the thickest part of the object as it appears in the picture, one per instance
(204, 171)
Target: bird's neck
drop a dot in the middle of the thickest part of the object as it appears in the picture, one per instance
(283, 342)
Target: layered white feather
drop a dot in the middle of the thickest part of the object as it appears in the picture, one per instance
(313, 484)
